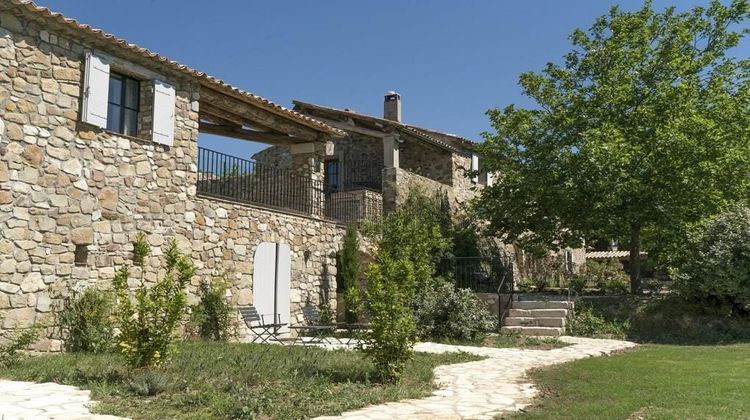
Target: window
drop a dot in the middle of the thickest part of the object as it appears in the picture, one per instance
(332, 175)
(81, 255)
(122, 105)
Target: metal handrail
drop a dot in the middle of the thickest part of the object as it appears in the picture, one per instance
(500, 306)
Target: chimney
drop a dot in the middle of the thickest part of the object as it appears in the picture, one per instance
(392, 106)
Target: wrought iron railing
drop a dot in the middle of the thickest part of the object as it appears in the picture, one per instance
(354, 207)
(246, 181)
(358, 174)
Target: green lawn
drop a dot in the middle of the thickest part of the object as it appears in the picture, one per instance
(652, 382)
(512, 340)
(219, 380)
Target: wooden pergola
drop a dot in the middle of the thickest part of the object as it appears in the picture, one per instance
(224, 112)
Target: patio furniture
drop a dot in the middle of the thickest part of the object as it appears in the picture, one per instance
(317, 331)
(263, 330)
(352, 330)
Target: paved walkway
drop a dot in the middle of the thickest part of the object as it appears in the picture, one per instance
(485, 388)
(26, 400)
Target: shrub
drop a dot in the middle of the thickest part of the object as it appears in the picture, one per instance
(15, 345)
(350, 272)
(148, 318)
(577, 283)
(617, 286)
(588, 323)
(443, 312)
(719, 271)
(391, 336)
(606, 275)
(540, 283)
(213, 317)
(86, 317)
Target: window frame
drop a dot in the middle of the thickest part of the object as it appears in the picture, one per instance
(331, 188)
(123, 107)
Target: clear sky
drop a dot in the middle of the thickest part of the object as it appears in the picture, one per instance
(450, 60)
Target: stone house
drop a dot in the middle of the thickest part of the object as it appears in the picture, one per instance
(98, 142)
(380, 159)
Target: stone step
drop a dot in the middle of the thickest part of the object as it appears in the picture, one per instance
(540, 304)
(538, 313)
(537, 331)
(534, 321)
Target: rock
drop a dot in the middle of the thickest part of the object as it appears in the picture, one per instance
(142, 167)
(19, 318)
(72, 167)
(32, 283)
(108, 198)
(82, 236)
(33, 154)
(7, 267)
(14, 131)
(6, 197)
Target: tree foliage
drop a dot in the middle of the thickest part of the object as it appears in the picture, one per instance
(350, 272)
(639, 134)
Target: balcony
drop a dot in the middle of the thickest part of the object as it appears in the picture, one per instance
(246, 181)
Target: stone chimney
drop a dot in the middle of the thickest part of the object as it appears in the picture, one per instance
(392, 106)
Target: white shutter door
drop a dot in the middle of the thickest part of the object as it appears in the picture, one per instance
(474, 167)
(95, 90)
(164, 101)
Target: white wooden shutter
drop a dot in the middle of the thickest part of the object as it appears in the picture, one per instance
(95, 90)
(164, 103)
(490, 179)
(475, 167)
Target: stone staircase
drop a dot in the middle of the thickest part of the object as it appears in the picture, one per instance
(537, 317)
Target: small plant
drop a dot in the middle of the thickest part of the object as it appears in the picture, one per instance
(577, 283)
(587, 323)
(350, 273)
(148, 383)
(212, 317)
(148, 318)
(391, 337)
(86, 318)
(327, 317)
(141, 249)
(15, 345)
(617, 286)
(540, 283)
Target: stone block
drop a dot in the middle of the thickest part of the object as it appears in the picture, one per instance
(19, 318)
(82, 236)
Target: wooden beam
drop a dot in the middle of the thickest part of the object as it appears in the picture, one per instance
(256, 115)
(217, 113)
(243, 134)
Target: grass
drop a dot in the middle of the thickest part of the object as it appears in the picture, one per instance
(221, 380)
(653, 382)
(523, 342)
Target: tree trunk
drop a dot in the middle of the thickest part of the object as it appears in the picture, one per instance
(635, 258)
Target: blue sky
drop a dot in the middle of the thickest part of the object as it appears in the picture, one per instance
(450, 60)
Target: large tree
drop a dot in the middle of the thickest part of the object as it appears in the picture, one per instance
(641, 133)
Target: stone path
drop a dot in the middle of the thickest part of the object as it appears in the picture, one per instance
(485, 388)
(26, 400)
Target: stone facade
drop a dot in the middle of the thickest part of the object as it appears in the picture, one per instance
(65, 185)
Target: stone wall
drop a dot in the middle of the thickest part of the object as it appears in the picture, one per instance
(65, 184)
(426, 160)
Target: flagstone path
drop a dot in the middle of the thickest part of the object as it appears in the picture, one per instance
(26, 400)
(485, 388)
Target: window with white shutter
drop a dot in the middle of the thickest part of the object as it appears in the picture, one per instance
(164, 110)
(474, 168)
(95, 90)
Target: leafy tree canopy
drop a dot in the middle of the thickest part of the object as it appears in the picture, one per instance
(642, 132)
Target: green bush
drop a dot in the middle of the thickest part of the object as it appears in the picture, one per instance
(15, 346)
(148, 318)
(86, 318)
(607, 276)
(719, 271)
(587, 323)
(212, 318)
(444, 312)
(350, 273)
(390, 338)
